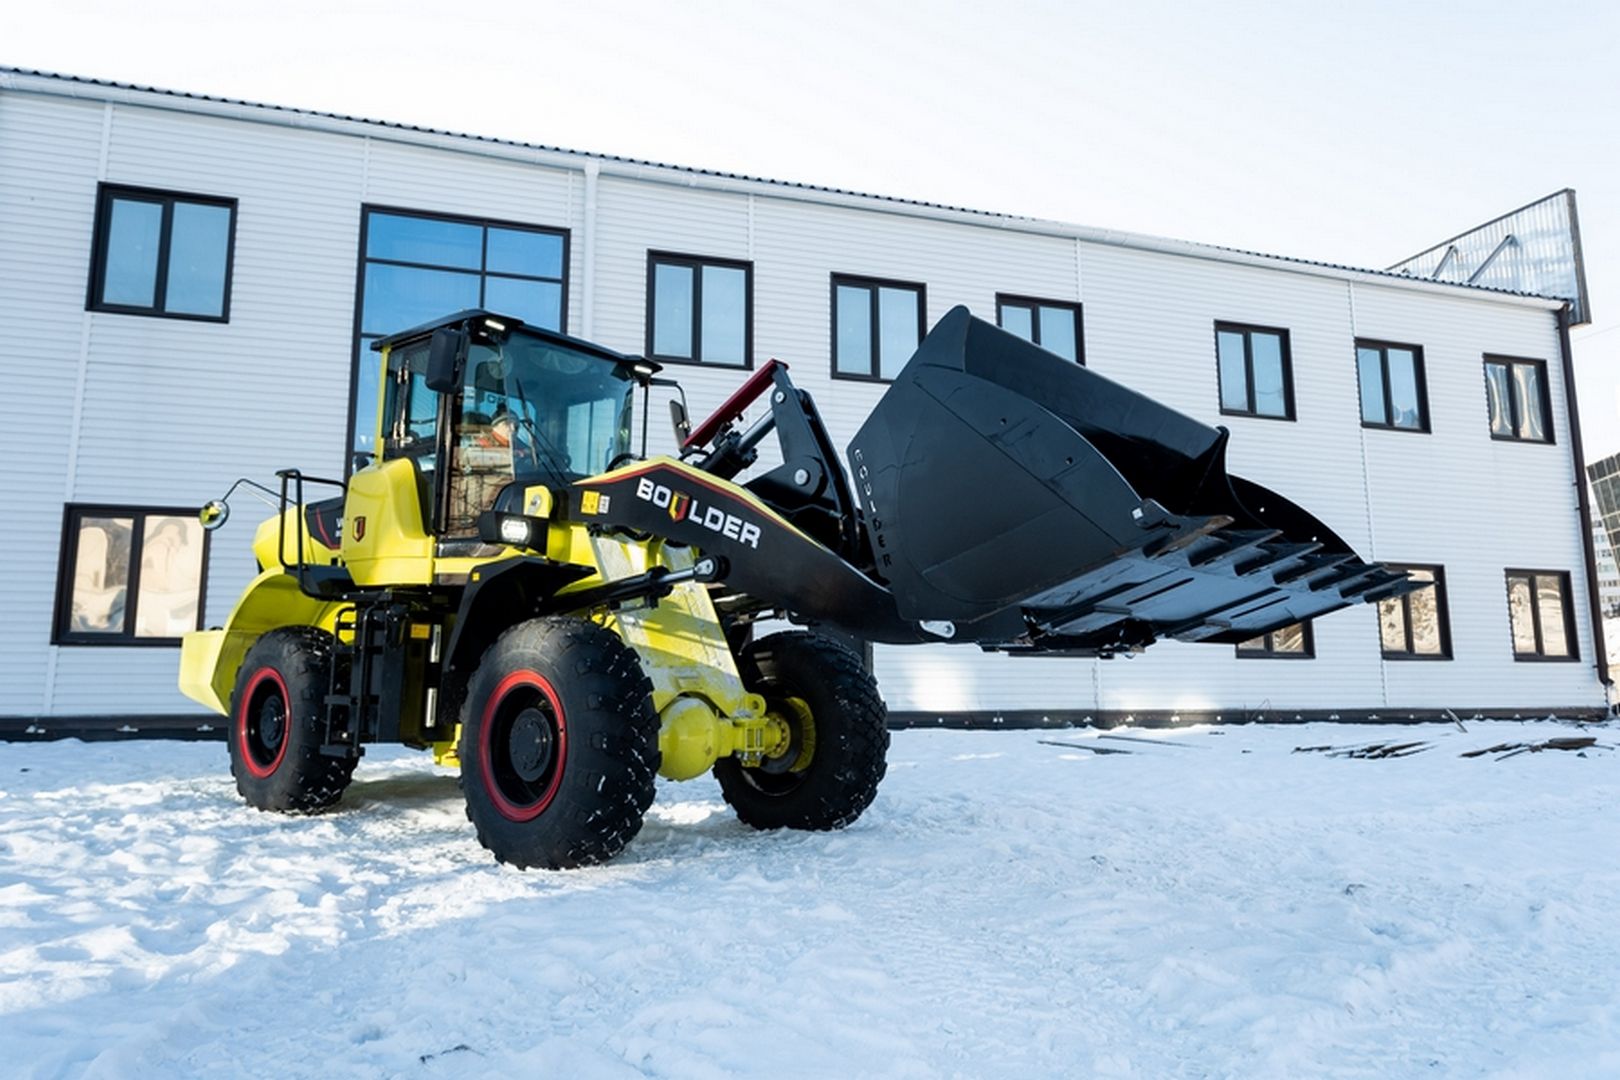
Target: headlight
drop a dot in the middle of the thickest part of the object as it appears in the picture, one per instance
(516, 531)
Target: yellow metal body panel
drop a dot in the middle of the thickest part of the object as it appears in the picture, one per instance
(691, 738)
(446, 753)
(209, 658)
(705, 711)
(538, 501)
(199, 663)
(288, 527)
(679, 640)
(384, 542)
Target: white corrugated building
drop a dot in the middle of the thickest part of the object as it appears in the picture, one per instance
(186, 283)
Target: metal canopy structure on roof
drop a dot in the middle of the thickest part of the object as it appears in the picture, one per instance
(1535, 249)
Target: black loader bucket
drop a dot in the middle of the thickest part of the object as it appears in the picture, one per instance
(1021, 501)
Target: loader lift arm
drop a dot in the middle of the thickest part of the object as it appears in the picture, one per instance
(809, 487)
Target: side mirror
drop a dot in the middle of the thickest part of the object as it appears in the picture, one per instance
(446, 356)
(213, 514)
(682, 422)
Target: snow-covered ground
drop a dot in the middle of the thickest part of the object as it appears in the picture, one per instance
(1208, 903)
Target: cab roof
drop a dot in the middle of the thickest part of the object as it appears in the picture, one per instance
(511, 322)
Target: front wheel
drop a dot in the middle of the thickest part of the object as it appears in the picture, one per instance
(277, 712)
(838, 727)
(559, 745)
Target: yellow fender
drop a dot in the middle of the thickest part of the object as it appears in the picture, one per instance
(209, 658)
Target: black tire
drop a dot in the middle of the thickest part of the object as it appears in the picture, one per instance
(559, 745)
(831, 771)
(277, 711)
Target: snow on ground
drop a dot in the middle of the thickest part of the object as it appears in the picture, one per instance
(1209, 903)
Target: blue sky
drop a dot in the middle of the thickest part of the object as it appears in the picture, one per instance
(1357, 133)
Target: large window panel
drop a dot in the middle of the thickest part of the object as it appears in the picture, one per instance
(162, 253)
(1528, 383)
(134, 234)
(425, 241)
(1292, 642)
(1390, 377)
(673, 290)
(166, 604)
(1516, 399)
(416, 267)
(723, 331)
(1254, 371)
(523, 251)
(699, 310)
(400, 297)
(1414, 626)
(1370, 379)
(899, 328)
(852, 347)
(1018, 319)
(200, 238)
(130, 576)
(535, 302)
(1270, 386)
(1054, 325)
(1540, 614)
(877, 325)
(1234, 371)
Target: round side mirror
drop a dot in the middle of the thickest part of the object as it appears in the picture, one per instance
(213, 515)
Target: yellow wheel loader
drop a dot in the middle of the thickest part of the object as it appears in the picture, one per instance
(510, 584)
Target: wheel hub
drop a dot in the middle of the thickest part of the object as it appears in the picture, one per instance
(272, 722)
(531, 745)
(794, 714)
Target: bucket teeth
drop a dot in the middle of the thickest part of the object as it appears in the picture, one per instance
(1369, 578)
(1386, 584)
(1275, 556)
(1312, 568)
(1227, 546)
(1338, 576)
(1191, 534)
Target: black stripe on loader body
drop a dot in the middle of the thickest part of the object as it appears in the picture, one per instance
(780, 566)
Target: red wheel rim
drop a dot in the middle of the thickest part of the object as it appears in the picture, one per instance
(522, 745)
(262, 748)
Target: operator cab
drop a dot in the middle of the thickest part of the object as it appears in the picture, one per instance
(505, 406)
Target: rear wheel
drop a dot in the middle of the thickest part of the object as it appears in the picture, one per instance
(559, 745)
(838, 736)
(276, 724)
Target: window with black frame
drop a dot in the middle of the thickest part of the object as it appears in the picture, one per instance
(162, 253)
(129, 576)
(1255, 371)
(1292, 642)
(416, 267)
(1054, 325)
(1414, 626)
(699, 310)
(1390, 377)
(1541, 615)
(876, 326)
(1516, 395)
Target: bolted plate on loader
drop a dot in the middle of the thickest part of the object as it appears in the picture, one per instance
(1037, 506)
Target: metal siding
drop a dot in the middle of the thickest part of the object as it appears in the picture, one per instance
(174, 410)
(270, 389)
(51, 153)
(1473, 504)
